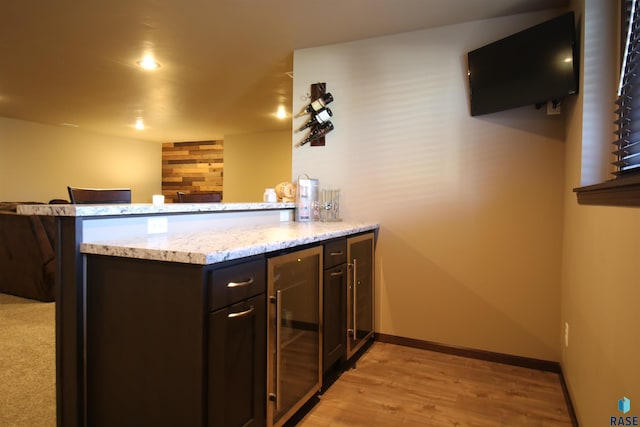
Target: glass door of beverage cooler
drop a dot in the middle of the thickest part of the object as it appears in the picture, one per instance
(359, 291)
(294, 337)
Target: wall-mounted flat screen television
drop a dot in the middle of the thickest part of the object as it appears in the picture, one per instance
(531, 67)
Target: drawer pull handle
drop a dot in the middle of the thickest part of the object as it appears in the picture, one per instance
(239, 284)
(337, 253)
(337, 273)
(241, 313)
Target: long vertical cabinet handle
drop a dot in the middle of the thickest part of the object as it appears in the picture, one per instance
(355, 298)
(278, 344)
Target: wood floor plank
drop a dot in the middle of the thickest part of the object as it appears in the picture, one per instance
(396, 385)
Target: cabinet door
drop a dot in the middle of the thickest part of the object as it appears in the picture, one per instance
(335, 309)
(360, 291)
(145, 343)
(237, 370)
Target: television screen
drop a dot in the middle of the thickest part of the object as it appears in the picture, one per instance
(531, 67)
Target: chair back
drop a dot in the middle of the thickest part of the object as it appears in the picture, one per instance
(200, 197)
(99, 195)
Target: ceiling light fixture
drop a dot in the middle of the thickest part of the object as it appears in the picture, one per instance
(148, 63)
(139, 124)
(281, 113)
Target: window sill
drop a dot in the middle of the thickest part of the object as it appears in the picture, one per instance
(616, 192)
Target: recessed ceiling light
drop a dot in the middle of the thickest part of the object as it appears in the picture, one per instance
(139, 124)
(148, 63)
(281, 113)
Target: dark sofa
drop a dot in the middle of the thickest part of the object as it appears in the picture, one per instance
(27, 256)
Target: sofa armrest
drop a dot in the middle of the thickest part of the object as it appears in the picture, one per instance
(46, 249)
(27, 256)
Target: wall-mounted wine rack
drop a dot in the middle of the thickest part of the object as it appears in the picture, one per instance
(317, 90)
(319, 123)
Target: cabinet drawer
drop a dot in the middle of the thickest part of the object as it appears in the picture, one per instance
(228, 285)
(237, 364)
(335, 252)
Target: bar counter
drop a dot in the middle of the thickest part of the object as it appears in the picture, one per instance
(190, 234)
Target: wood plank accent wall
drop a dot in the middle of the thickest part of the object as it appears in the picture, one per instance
(191, 167)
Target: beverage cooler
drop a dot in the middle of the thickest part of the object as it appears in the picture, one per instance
(294, 336)
(360, 290)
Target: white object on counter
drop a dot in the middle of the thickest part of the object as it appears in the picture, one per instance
(269, 195)
(158, 199)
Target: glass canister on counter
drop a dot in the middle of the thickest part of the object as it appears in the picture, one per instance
(330, 205)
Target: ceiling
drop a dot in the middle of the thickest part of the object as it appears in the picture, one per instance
(224, 63)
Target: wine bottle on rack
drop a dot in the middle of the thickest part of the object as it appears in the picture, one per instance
(318, 104)
(318, 118)
(318, 132)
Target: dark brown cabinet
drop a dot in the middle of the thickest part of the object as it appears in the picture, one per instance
(171, 344)
(237, 339)
(145, 348)
(236, 365)
(334, 304)
(360, 255)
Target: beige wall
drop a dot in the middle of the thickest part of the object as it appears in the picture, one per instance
(482, 243)
(599, 296)
(253, 162)
(470, 208)
(38, 162)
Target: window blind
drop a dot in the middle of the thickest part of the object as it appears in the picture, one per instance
(627, 144)
(624, 190)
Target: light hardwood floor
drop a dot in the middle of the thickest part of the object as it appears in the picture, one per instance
(395, 385)
(391, 385)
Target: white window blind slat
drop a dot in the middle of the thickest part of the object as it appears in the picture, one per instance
(626, 146)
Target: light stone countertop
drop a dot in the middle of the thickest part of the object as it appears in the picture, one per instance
(213, 246)
(144, 208)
